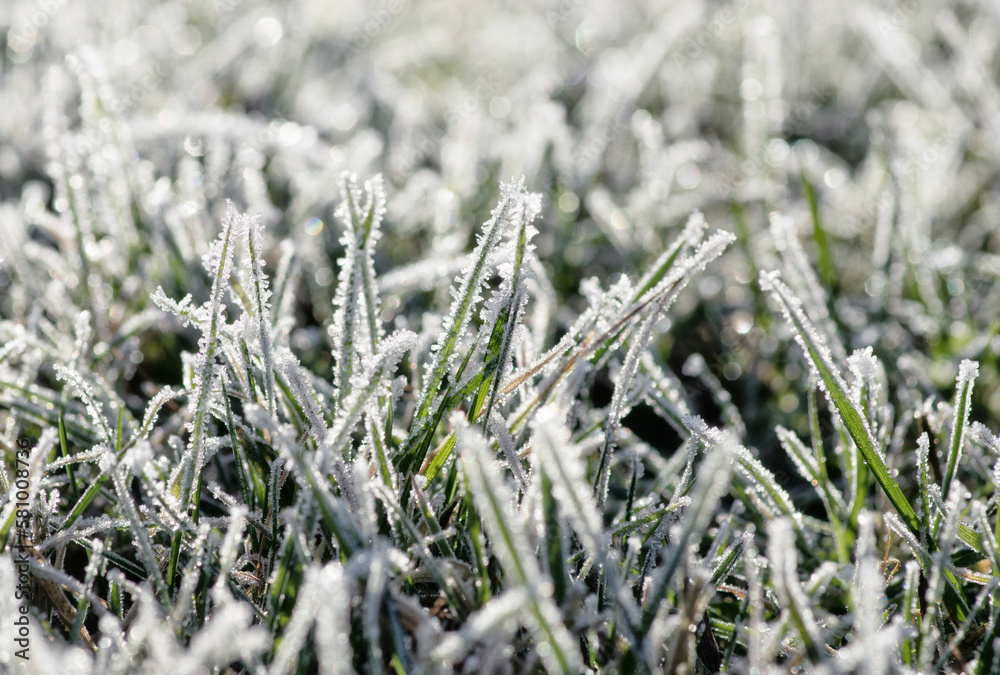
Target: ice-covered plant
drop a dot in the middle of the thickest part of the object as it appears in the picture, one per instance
(295, 377)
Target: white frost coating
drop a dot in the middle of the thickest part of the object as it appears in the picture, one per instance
(84, 334)
(968, 371)
(618, 399)
(562, 463)
(83, 389)
(219, 262)
(601, 310)
(333, 620)
(491, 618)
(864, 367)
(783, 555)
(982, 434)
(498, 427)
(228, 636)
(865, 370)
(260, 322)
(711, 484)
(766, 481)
(489, 489)
(679, 275)
(803, 278)
(183, 310)
(869, 593)
(507, 303)
(504, 525)
(749, 466)
(139, 534)
(295, 633)
(285, 280)
(298, 382)
(804, 461)
(467, 293)
(655, 302)
(691, 236)
(152, 411)
(377, 371)
(923, 478)
(812, 343)
(666, 390)
(230, 548)
(356, 326)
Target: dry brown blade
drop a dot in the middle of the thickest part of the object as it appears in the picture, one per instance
(589, 344)
(54, 593)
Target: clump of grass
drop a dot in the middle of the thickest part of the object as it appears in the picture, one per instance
(711, 387)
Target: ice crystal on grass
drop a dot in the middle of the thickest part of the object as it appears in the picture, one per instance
(308, 430)
(782, 555)
(831, 381)
(967, 373)
(356, 324)
(467, 293)
(260, 323)
(86, 393)
(560, 460)
(554, 643)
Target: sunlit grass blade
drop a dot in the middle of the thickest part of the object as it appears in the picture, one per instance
(781, 553)
(512, 548)
(809, 467)
(712, 478)
(967, 373)
(356, 324)
(836, 390)
(563, 466)
(261, 307)
(466, 296)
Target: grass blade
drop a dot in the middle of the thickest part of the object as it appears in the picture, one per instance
(834, 387)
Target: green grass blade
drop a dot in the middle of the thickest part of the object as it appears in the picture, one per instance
(967, 373)
(466, 295)
(835, 388)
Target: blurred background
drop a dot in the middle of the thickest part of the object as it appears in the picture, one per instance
(854, 145)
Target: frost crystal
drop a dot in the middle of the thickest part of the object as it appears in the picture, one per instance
(356, 326)
(341, 424)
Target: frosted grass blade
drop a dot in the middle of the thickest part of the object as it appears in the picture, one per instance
(836, 390)
(356, 325)
(562, 464)
(708, 488)
(967, 373)
(466, 295)
(515, 553)
(260, 321)
(781, 552)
